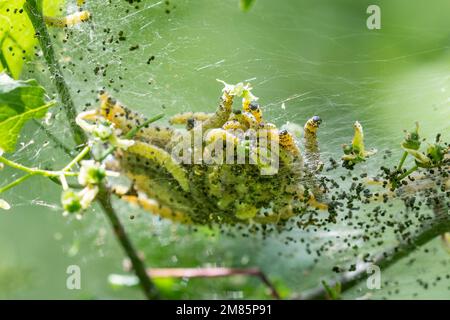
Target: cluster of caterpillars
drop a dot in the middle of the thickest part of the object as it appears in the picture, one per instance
(250, 117)
(189, 193)
(222, 124)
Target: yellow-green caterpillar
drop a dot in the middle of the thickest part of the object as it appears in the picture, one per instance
(69, 20)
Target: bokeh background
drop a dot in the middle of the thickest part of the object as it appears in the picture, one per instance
(303, 58)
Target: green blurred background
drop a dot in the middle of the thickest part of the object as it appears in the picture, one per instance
(303, 58)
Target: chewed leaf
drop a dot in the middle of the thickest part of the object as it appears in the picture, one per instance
(356, 152)
(412, 139)
(420, 157)
(20, 101)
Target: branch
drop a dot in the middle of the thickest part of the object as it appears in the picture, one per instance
(35, 15)
(16, 182)
(213, 273)
(147, 285)
(43, 37)
(78, 158)
(385, 259)
(36, 171)
(131, 134)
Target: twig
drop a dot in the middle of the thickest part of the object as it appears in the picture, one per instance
(213, 273)
(135, 130)
(35, 171)
(402, 160)
(36, 18)
(77, 159)
(407, 173)
(131, 134)
(16, 182)
(387, 258)
(79, 136)
(147, 285)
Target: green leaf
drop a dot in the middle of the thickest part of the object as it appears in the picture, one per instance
(20, 101)
(436, 153)
(246, 4)
(17, 40)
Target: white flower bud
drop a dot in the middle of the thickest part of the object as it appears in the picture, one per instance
(103, 131)
(88, 195)
(91, 173)
(70, 201)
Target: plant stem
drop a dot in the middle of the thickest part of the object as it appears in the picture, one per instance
(79, 137)
(46, 173)
(43, 37)
(147, 285)
(402, 160)
(385, 259)
(35, 171)
(407, 173)
(396, 180)
(131, 134)
(77, 159)
(135, 130)
(16, 182)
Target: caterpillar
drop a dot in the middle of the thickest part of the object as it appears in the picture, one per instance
(312, 125)
(250, 119)
(271, 130)
(125, 119)
(218, 119)
(162, 157)
(287, 141)
(254, 109)
(233, 125)
(183, 118)
(220, 134)
(69, 20)
(155, 207)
